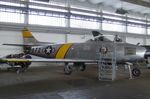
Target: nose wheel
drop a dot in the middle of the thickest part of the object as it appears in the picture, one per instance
(136, 72)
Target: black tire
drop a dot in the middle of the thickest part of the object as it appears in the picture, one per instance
(136, 72)
(68, 72)
(82, 67)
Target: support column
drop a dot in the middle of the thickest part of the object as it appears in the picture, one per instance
(67, 20)
(126, 28)
(26, 16)
(100, 16)
(146, 32)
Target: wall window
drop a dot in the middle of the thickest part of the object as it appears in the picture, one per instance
(112, 23)
(11, 17)
(84, 20)
(136, 29)
(84, 24)
(136, 26)
(45, 20)
(113, 27)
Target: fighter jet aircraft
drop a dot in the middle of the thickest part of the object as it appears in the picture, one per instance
(77, 53)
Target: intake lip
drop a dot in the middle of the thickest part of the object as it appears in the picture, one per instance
(147, 54)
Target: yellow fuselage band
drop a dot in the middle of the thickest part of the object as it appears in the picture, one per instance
(62, 51)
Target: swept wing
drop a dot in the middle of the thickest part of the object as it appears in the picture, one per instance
(48, 60)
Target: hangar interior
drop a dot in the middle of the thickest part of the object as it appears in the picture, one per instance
(68, 21)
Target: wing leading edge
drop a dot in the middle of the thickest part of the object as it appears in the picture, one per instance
(47, 60)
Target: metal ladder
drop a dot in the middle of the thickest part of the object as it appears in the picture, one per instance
(107, 63)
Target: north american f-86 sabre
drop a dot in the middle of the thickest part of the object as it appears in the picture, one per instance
(77, 53)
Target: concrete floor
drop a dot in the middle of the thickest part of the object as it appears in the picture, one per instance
(51, 83)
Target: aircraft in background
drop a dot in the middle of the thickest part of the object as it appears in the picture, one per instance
(77, 53)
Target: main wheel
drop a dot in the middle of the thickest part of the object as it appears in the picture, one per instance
(68, 70)
(136, 72)
(82, 67)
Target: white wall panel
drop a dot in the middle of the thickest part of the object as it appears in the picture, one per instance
(10, 37)
(147, 41)
(134, 40)
(78, 38)
(50, 37)
(113, 27)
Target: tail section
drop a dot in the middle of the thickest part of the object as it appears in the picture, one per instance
(28, 41)
(28, 38)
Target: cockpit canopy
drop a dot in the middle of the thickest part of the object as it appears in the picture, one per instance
(99, 37)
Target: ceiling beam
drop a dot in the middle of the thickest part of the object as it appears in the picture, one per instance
(138, 2)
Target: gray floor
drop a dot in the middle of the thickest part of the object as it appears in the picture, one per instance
(51, 83)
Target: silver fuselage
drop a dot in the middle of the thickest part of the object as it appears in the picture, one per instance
(90, 50)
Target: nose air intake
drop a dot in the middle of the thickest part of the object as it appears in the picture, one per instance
(147, 53)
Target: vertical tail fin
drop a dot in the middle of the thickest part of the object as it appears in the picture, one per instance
(28, 38)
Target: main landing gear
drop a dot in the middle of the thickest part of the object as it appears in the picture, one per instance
(68, 69)
(18, 67)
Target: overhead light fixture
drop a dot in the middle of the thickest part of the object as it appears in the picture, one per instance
(121, 11)
(42, 0)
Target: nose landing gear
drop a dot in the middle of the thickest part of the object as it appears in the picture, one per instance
(136, 72)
